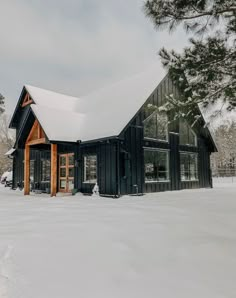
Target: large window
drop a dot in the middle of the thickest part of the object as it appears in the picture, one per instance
(90, 168)
(189, 166)
(156, 126)
(45, 163)
(156, 164)
(186, 134)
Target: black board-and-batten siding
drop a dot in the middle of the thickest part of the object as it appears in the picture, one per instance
(134, 144)
(120, 165)
(120, 161)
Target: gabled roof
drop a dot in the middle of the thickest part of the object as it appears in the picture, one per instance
(101, 114)
(45, 98)
(51, 99)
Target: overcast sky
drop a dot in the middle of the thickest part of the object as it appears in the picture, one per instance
(75, 46)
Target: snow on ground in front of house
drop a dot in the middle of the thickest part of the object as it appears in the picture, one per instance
(173, 244)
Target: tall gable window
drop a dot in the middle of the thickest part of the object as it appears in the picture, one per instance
(156, 163)
(156, 126)
(186, 134)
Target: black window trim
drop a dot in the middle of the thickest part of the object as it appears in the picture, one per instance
(156, 139)
(193, 153)
(168, 164)
(195, 145)
(84, 170)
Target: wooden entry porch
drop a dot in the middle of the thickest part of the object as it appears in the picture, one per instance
(37, 137)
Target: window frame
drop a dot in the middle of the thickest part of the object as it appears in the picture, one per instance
(155, 113)
(85, 169)
(32, 170)
(167, 151)
(197, 164)
(44, 169)
(189, 129)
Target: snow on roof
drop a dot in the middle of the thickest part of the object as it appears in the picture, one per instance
(110, 109)
(60, 125)
(101, 114)
(52, 99)
(10, 152)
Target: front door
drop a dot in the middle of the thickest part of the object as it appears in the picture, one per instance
(66, 172)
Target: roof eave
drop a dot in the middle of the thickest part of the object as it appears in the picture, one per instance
(11, 124)
(214, 146)
(98, 139)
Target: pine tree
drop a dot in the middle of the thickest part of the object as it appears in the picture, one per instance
(206, 70)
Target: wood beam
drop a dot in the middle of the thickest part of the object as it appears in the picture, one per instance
(39, 132)
(27, 100)
(27, 103)
(53, 170)
(34, 127)
(27, 171)
(35, 142)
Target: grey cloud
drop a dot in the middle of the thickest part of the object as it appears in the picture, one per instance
(75, 46)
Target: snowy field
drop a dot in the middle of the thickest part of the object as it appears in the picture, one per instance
(174, 244)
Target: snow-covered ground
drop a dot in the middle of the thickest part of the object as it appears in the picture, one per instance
(173, 244)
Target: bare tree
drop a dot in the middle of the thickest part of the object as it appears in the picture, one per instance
(224, 161)
(6, 134)
(6, 142)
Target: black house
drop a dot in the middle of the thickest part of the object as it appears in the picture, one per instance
(116, 137)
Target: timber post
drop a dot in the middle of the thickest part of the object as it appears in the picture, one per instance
(35, 137)
(27, 170)
(53, 170)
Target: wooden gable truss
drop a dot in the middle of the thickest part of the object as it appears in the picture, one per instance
(27, 100)
(36, 135)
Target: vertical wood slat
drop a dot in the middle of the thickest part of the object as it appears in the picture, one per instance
(53, 170)
(27, 171)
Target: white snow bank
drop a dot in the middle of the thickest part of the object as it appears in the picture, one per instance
(173, 244)
(9, 176)
(6, 176)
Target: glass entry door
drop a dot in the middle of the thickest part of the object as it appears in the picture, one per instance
(66, 172)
